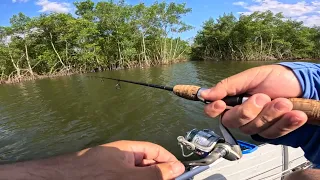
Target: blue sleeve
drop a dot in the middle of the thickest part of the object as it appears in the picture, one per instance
(308, 136)
(308, 75)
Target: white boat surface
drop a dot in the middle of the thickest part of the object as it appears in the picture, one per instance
(268, 162)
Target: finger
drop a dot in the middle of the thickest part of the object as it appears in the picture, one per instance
(288, 123)
(147, 162)
(243, 114)
(145, 150)
(163, 171)
(268, 116)
(215, 108)
(152, 151)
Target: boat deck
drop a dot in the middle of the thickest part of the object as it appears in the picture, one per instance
(267, 162)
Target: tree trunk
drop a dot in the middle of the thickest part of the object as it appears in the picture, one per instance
(170, 53)
(66, 51)
(175, 50)
(28, 61)
(219, 47)
(261, 44)
(119, 51)
(165, 49)
(271, 43)
(165, 45)
(2, 74)
(144, 50)
(232, 51)
(181, 53)
(16, 66)
(54, 48)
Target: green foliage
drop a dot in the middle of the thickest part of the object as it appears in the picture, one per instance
(102, 35)
(259, 36)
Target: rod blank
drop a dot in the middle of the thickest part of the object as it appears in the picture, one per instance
(138, 83)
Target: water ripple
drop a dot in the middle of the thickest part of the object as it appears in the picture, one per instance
(52, 116)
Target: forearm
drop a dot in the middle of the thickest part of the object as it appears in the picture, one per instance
(309, 174)
(79, 165)
(119, 160)
(37, 169)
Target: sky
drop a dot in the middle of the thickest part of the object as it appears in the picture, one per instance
(307, 11)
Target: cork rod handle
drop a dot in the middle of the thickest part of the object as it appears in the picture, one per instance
(308, 106)
(186, 91)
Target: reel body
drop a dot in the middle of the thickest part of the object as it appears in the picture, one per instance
(201, 142)
(208, 146)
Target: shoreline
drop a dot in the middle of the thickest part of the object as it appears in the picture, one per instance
(16, 80)
(268, 60)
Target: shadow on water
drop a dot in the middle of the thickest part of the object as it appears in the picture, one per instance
(53, 116)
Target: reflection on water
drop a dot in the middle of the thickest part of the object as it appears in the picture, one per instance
(53, 116)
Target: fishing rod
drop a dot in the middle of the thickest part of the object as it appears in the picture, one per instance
(138, 83)
(192, 92)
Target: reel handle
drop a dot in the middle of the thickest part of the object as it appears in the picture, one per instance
(205, 161)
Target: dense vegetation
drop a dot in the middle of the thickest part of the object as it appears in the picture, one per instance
(109, 35)
(259, 36)
(105, 35)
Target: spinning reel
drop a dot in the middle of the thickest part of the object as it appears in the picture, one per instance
(209, 146)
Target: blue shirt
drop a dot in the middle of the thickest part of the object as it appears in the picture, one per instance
(308, 136)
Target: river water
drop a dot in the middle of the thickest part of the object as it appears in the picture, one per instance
(49, 117)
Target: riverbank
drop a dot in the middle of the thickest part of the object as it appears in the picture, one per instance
(70, 72)
(27, 77)
(266, 59)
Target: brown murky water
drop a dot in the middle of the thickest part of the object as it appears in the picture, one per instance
(53, 116)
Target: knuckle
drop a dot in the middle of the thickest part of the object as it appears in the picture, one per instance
(246, 114)
(276, 131)
(228, 123)
(265, 119)
(226, 85)
(281, 130)
(282, 105)
(223, 84)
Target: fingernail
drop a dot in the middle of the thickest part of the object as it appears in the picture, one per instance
(261, 101)
(295, 121)
(177, 167)
(281, 106)
(205, 92)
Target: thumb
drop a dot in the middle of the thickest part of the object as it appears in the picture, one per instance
(165, 171)
(233, 85)
(226, 87)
